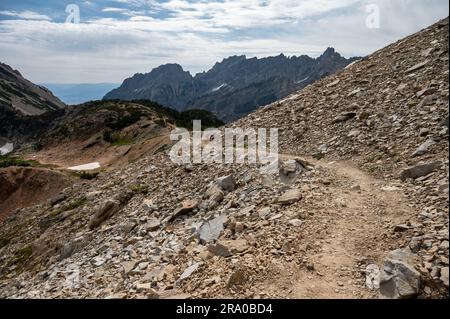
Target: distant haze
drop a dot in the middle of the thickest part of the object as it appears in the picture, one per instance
(80, 93)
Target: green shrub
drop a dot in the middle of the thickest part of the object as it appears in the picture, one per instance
(9, 160)
(115, 138)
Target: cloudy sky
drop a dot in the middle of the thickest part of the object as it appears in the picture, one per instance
(117, 38)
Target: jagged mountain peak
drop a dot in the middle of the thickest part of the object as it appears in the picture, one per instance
(231, 88)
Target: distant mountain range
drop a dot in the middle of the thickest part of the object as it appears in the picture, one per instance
(80, 93)
(234, 87)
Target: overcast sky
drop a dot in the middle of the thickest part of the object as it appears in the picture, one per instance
(117, 38)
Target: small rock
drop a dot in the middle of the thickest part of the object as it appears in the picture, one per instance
(423, 149)
(239, 227)
(237, 246)
(296, 222)
(227, 183)
(174, 294)
(128, 266)
(424, 132)
(238, 278)
(290, 197)
(149, 206)
(264, 213)
(344, 117)
(401, 228)
(98, 261)
(372, 277)
(127, 226)
(219, 250)
(189, 271)
(153, 225)
(417, 66)
(289, 167)
(390, 189)
(215, 194)
(187, 207)
(58, 199)
(444, 276)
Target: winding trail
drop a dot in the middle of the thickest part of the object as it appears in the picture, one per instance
(354, 227)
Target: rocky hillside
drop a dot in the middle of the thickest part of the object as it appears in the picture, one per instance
(20, 99)
(24, 97)
(389, 113)
(232, 88)
(358, 209)
(111, 133)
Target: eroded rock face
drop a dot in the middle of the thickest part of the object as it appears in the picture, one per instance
(18, 187)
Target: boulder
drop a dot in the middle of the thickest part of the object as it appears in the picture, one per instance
(219, 250)
(103, 213)
(187, 207)
(290, 197)
(423, 149)
(215, 194)
(212, 229)
(237, 246)
(227, 183)
(399, 279)
(420, 170)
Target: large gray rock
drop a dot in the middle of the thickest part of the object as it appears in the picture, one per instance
(74, 246)
(423, 149)
(399, 279)
(212, 229)
(227, 183)
(420, 170)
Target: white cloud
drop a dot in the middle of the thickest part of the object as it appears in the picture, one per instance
(27, 15)
(198, 34)
(119, 10)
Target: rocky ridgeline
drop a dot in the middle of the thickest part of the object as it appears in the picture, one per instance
(318, 229)
(232, 88)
